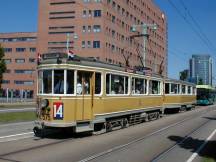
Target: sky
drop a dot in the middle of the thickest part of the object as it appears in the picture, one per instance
(21, 15)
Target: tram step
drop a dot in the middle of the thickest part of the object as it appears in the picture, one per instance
(84, 127)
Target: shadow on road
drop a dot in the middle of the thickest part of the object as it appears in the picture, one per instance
(193, 144)
(210, 118)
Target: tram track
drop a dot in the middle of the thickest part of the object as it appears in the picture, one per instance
(120, 147)
(124, 146)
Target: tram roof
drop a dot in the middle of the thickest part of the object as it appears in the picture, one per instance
(58, 58)
(205, 87)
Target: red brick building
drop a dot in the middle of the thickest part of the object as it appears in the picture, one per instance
(104, 31)
(103, 28)
(20, 57)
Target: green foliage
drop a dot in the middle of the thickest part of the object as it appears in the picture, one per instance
(17, 117)
(183, 75)
(200, 82)
(2, 64)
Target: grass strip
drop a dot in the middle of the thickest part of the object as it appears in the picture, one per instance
(17, 117)
(205, 159)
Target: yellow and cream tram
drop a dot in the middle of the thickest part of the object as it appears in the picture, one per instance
(89, 95)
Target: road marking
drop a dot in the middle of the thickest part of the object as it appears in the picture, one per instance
(14, 137)
(193, 156)
(17, 110)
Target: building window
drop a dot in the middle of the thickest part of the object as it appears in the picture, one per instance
(86, 1)
(84, 13)
(84, 29)
(7, 71)
(7, 50)
(32, 49)
(97, 1)
(20, 49)
(5, 81)
(23, 71)
(96, 28)
(20, 61)
(89, 44)
(23, 82)
(31, 60)
(90, 13)
(83, 44)
(89, 29)
(96, 44)
(7, 61)
(97, 13)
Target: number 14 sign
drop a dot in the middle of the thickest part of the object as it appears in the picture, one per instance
(58, 110)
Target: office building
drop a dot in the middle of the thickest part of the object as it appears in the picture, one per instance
(201, 69)
(20, 58)
(103, 30)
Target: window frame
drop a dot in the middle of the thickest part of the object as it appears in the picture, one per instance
(123, 75)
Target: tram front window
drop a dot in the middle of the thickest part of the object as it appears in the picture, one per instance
(47, 81)
(58, 81)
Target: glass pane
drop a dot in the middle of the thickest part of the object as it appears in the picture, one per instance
(97, 83)
(70, 82)
(140, 85)
(83, 82)
(117, 84)
(108, 84)
(154, 87)
(59, 81)
(174, 89)
(167, 88)
(183, 89)
(47, 81)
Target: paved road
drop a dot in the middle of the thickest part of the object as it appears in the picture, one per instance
(178, 137)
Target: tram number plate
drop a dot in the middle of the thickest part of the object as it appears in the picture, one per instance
(58, 110)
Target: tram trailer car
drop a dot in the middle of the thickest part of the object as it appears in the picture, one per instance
(179, 95)
(88, 95)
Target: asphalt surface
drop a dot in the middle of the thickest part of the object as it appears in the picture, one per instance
(186, 136)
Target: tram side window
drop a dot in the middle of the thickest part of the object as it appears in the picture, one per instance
(47, 81)
(70, 82)
(97, 83)
(40, 82)
(154, 87)
(58, 81)
(189, 89)
(167, 88)
(183, 89)
(116, 84)
(83, 82)
(174, 88)
(139, 86)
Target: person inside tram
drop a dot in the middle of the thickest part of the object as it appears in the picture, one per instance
(59, 86)
(79, 86)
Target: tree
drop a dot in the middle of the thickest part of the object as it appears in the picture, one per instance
(200, 81)
(2, 64)
(184, 75)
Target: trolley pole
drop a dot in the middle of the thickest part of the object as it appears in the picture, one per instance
(144, 28)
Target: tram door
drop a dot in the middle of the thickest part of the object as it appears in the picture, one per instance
(85, 95)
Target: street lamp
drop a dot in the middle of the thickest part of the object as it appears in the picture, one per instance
(75, 36)
(144, 27)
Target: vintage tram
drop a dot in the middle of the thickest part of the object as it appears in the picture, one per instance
(88, 95)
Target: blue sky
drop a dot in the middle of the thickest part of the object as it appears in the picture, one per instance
(21, 15)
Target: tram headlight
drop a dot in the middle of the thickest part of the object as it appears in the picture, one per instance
(44, 103)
